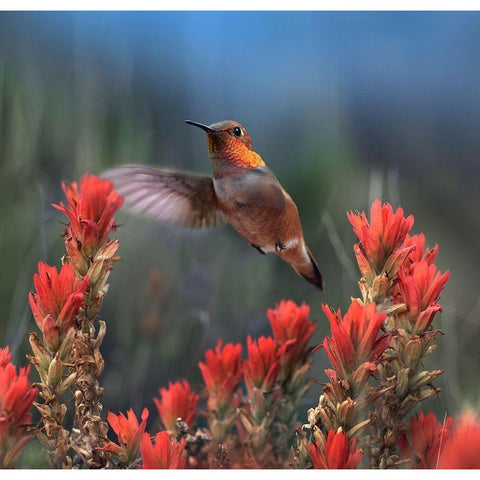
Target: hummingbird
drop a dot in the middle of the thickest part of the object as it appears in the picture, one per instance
(243, 192)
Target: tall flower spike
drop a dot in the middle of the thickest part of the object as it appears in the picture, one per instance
(222, 373)
(16, 397)
(290, 323)
(424, 444)
(164, 454)
(336, 452)
(178, 401)
(129, 433)
(462, 449)
(58, 297)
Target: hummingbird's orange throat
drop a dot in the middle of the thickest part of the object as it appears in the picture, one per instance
(234, 153)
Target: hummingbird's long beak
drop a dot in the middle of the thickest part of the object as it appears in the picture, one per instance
(201, 125)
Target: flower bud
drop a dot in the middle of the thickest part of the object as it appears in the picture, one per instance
(346, 412)
(66, 345)
(50, 333)
(427, 393)
(356, 430)
(39, 351)
(368, 273)
(402, 383)
(109, 250)
(55, 372)
(407, 404)
(424, 378)
(359, 378)
(413, 352)
(95, 305)
(95, 272)
(66, 384)
(77, 260)
(379, 288)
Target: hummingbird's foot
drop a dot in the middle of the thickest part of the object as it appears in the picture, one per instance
(279, 246)
(258, 248)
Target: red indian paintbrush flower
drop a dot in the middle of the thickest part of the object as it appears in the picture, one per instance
(290, 324)
(419, 251)
(355, 339)
(90, 211)
(178, 401)
(424, 444)
(58, 298)
(263, 364)
(222, 373)
(164, 454)
(129, 433)
(337, 452)
(16, 398)
(379, 238)
(462, 449)
(420, 289)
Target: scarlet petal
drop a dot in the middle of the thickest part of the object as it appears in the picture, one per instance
(16, 399)
(164, 454)
(424, 444)
(290, 325)
(51, 332)
(462, 449)
(178, 401)
(129, 433)
(90, 210)
(263, 364)
(337, 452)
(222, 373)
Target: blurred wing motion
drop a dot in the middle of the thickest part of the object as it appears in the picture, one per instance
(184, 199)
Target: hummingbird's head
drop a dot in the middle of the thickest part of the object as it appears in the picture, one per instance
(229, 142)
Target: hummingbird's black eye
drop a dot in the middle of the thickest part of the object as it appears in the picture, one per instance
(237, 131)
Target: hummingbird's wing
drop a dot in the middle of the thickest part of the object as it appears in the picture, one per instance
(184, 199)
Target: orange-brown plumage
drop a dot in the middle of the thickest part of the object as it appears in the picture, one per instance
(243, 191)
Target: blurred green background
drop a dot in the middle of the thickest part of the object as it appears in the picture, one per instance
(344, 107)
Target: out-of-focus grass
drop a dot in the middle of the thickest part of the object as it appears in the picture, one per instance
(176, 292)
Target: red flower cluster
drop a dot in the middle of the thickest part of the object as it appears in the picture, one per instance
(178, 401)
(263, 364)
(380, 238)
(90, 210)
(355, 344)
(336, 452)
(462, 449)
(16, 398)
(164, 454)
(222, 373)
(129, 433)
(427, 440)
(419, 288)
(59, 297)
(291, 327)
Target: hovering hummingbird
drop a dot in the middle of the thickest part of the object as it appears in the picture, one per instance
(243, 192)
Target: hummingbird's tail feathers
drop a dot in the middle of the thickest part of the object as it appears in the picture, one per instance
(185, 199)
(310, 272)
